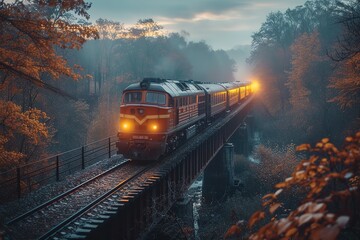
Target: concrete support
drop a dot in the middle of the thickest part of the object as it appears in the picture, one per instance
(228, 152)
(219, 175)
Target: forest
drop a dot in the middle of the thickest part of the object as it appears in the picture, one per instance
(61, 79)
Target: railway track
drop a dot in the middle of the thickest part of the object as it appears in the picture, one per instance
(48, 218)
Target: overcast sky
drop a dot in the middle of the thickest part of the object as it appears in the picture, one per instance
(223, 24)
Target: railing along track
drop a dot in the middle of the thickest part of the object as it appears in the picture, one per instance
(63, 195)
(93, 203)
(65, 208)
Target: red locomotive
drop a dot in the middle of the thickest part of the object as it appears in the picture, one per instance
(157, 115)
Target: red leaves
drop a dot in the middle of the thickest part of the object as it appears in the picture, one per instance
(234, 230)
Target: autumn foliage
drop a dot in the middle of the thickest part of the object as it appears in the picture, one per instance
(329, 181)
(14, 122)
(32, 32)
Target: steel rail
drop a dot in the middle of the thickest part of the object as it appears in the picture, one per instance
(93, 204)
(63, 195)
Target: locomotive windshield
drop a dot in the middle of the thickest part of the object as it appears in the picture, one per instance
(132, 97)
(155, 98)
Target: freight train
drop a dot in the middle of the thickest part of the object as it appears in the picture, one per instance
(157, 115)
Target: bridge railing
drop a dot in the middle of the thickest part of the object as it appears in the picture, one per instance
(25, 178)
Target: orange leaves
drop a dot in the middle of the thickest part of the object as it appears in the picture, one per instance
(330, 181)
(31, 37)
(257, 216)
(274, 207)
(28, 123)
(303, 147)
(234, 230)
(281, 185)
(346, 82)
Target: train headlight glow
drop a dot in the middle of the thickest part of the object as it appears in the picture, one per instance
(255, 86)
(125, 126)
(154, 127)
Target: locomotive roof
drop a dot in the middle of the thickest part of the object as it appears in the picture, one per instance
(212, 87)
(176, 88)
(173, 87)
(229, 85)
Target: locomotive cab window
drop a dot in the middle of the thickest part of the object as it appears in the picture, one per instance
(155, 98)
(132, 97)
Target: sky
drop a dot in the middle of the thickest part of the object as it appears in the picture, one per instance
(223, 24)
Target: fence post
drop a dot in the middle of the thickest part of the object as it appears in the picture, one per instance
(18, 182)
(57, 168)
(109, 148)
(82, 157)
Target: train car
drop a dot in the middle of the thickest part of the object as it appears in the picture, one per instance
(216, 99)
(245, 89)
(233, 96)
(157, 114)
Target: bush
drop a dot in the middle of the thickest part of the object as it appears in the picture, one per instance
(330, 179)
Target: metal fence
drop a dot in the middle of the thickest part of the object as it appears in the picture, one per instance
(23, 179)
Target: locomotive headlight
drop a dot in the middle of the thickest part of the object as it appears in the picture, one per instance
(154, 127)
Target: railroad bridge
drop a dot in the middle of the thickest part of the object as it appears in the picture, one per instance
(132, 210)
(141, 206)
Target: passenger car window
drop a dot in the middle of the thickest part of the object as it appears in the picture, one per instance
(132, 97)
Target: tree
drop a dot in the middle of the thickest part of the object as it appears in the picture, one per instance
(32, 32)
(14, 122)
(349, 42)
(29, 32)
(346, 78)
(145, 28)
(305, 54)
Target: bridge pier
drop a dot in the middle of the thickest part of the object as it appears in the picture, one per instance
(219, 175)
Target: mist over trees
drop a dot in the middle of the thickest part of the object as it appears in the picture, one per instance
(307, 60)
(62, 77)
